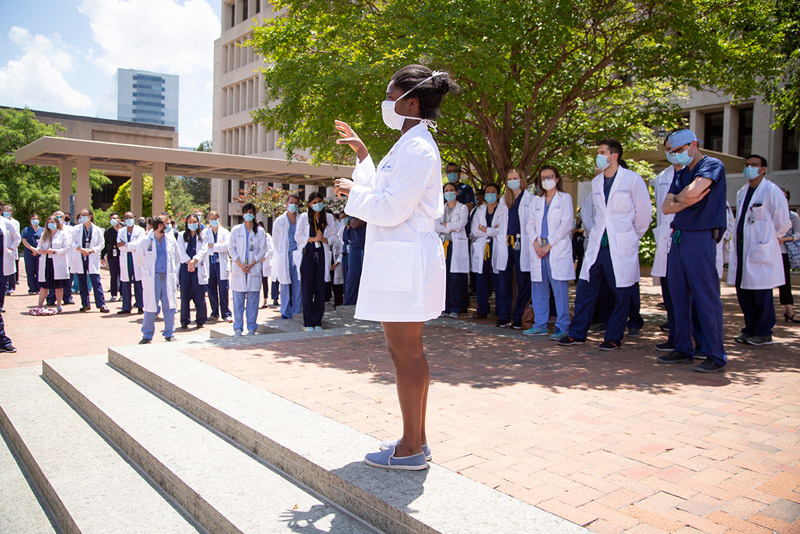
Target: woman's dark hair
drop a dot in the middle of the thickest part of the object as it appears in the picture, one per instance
(323, 217)
(430, 92)
(559, 186)
(448, 184)
(493, 186)
(247, 207)
(187, 233)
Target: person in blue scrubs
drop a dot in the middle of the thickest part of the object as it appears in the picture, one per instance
(30, 239)
(355, 259)
(166, 255)
(464, 193)
(291, 294)
(697, 198)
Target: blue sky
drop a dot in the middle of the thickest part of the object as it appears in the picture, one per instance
(60, 55)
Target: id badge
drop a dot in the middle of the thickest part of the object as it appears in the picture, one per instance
(517, 245)
(150, 246)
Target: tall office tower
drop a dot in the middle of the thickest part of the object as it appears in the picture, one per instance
(142, 96)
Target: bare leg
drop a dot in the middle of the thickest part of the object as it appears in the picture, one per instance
(404, 343)
(789, 310)
(42, 296)
(59, 296)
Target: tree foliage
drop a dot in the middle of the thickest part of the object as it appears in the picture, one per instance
(30, 188)
(122, 200)
(542, 80)
(785, 91)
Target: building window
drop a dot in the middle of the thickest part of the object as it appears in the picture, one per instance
(258, 6)
(244, 10)
(745, 142)
(789, 149)
(713, 132)
(232, 12)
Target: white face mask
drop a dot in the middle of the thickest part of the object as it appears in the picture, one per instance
(394, 120)
(547, 185)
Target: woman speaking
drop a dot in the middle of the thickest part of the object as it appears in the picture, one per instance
(403, 280)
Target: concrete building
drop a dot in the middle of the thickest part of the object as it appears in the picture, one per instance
(142, 96)
(110, 131)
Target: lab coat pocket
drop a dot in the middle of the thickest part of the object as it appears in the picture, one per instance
(391, 265)
(628, 243)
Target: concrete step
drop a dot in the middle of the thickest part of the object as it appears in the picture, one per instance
(227, 489)
(20, 510)
(327, 456)
(84, 480)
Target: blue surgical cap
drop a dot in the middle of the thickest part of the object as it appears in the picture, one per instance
(681, 137)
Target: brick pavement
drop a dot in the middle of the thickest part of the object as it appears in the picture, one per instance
(609, 440)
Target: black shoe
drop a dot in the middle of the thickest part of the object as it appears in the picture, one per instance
(501, 324)
(141, 311)
(124, 312)
(675, 356)
(571, 341)
(599, 328)
(609, 345)
(200, 325)
(170, 339)
(699, 356)
(516, 326)
(86, 308)
(633, 332)
(667, 346)
(742, 338)
(103, 309)
(144, 341)
(184, 327)
(664, 327)
(709, 366)
(759, 340)
(8, 348)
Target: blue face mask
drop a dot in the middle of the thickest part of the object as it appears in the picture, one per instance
(129, 222)
(214, 222)
(292, 208)
(248, 217)
(602, 162)
(450, 196)
(192, 227)
(452, 177)
(683, 158)
(84, 219)
(35, 222)
(319, 206)
(490, 197)
(514, 184)
(751, 173)
(7, 214)
(52, 226)
(168, 228)
(114, 223)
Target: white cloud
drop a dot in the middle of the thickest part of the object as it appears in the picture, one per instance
(161, 36)
(36, 79)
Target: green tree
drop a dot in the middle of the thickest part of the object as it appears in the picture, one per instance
(30, 188)
(542, 80)
(785, 91)
(122, 200)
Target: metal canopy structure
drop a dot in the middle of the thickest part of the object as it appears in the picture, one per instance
(123, 159)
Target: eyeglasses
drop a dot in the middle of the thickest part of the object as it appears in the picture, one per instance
(679, 150)
(551, 177)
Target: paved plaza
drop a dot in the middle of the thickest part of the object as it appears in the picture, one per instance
(609, 440)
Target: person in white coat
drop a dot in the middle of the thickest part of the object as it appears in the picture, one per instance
(513, 259)
(403, 281)
(315, 231)
(88, 243)
(53, 248)
(284, 268)
(622, 212)
(11, 238)
(193, 275)
(130, 274)
(219, 268)
(158, 257)
(12, 280)
(756, 268)
(550, 223)
(451, 229)
(785, 291)
(266, 266)
(247, 248)
(488, 237)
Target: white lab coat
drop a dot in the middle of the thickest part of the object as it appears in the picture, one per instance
(301, 237)
(501, 251)
(266, 262)
(662, 233)
(96, 244)
(15, 224)
(144, 257)
(61, 243)
(560, 221)
(200, 255)
(11, 241)
(724, 245)
(403, 278)
(764, 224)
(458, 237)
(129, 247)
(336, 251)
(280, 251)
(220, 248)
(238, 248)
(626, 218)
(496, 232)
